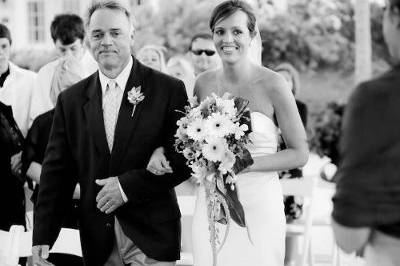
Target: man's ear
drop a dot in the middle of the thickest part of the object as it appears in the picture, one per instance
(132, 34)
(395, 16)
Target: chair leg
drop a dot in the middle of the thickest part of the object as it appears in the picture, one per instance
(335, 255)
(310, 254)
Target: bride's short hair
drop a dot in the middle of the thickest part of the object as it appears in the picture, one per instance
(227, 8)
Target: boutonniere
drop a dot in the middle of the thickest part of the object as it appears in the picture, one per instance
(135, 96)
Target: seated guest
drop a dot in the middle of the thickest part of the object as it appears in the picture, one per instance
(68, 33)
(67, 72)
(152, 56)
(366, 205)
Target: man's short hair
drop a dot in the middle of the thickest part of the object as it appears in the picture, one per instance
(5, 32)
(202, 35)
(113, 5)
(67, 28)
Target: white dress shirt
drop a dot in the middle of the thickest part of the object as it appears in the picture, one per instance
(41, 97)
(121, 81)
(17, 92)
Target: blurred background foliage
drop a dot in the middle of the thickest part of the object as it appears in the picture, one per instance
(311, 34)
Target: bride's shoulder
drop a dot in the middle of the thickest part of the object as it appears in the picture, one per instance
(270, 80)
(206, 80)
(207, 77)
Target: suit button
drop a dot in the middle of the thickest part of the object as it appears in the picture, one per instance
(108, 225)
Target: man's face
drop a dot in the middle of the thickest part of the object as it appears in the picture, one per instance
(391, 30)
(110, 38)
(204, 55)
(5, 47)
(74, 49)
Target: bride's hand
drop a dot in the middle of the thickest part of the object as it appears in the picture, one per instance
(158, 163)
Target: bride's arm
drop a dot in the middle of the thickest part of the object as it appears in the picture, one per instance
(293, 133)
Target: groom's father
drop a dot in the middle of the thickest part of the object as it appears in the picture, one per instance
(102, 138)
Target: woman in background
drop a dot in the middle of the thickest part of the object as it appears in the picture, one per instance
(179, 67)
(152, 56)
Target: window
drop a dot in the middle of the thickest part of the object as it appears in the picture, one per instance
(135, 3)
(36, 21)
(71, 6)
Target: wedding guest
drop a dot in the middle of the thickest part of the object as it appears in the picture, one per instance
(203, 53)
(153, 56)
(15, 99)
(366, 205)
(179, 67)
(102, 138)
(293, 205)
(67, 72)
(68, 34)
(15, 83)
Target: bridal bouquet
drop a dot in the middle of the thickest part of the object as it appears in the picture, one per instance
(212, 135)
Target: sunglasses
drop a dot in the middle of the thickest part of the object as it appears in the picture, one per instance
(207, 52)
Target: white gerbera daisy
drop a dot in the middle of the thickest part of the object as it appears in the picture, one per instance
(226, 106)
(195, 130)
(219, 125)
(239, 130)
(214, 150)
(227, 162)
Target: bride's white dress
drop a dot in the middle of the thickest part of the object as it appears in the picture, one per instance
(261, 196)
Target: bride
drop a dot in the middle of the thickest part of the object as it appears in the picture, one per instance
(233, 26)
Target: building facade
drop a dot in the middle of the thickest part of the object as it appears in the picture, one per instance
(29, 20)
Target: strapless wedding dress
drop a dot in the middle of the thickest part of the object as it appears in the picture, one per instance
(261, 196)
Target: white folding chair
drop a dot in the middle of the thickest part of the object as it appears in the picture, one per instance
(187, 205)
(302, 187)
(16, 243)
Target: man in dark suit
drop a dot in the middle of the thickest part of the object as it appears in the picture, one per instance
(103, 140)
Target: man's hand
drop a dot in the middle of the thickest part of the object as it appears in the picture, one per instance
(158, 163)
(109, 197)
(39, 255)
(16, 164)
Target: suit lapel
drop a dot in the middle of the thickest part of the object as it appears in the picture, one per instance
(126, 122)
(94, 114)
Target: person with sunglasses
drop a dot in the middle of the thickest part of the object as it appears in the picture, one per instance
(203, 54)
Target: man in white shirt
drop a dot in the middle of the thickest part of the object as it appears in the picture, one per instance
(68, 33)
(15, 89)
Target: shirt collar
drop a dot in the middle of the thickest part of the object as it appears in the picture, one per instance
(121, 79)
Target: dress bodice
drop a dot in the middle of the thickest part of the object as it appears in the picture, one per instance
(264, 135)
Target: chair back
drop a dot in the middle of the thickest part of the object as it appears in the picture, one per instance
(16, 243)
(305, 188)
(187, 206)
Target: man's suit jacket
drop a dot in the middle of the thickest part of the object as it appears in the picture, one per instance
(11, 187)
(78, 152)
